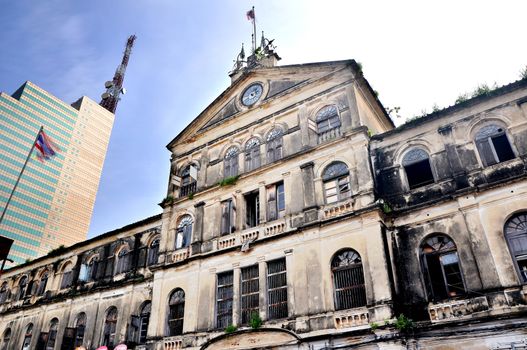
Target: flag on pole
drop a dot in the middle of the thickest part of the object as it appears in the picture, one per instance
(250, 14)
(45, 146)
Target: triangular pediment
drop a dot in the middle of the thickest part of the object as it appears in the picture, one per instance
(279, 81)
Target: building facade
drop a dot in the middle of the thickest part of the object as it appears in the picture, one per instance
(298, 217)
(54, 200)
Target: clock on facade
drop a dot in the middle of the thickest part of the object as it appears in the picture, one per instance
(252, 94)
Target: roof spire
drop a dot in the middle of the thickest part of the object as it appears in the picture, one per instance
(114, 88)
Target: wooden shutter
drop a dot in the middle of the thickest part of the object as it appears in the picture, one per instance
(109, 266)
(225, 217)
(485, 151)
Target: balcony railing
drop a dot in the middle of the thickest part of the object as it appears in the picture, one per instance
(174, 343)
(329, 135)
(457, 309)
(186, 190)
(351, 318)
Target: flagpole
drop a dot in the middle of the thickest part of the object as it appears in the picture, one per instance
(20, 175)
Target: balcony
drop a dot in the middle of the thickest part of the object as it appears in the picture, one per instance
(337, 209)
(173, 343)
(329, 135)
(187, 190)
(457, 309)
(180, 255)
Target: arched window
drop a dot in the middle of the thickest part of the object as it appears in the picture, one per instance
(67, 276)
(416, 164)
(274, 145)
(252, 154)
(441, 267)
(6, 337)
(189, 177)
(184, 232)
(328, 123)
(110, 326)
(516, 233)
(230, 163)
(336, 182)
(144, 319)
(22, 288)
(4, 291)
(122, 264)
(80, 328)
(493, 145)
(348, 280)
(176, 312)
(43, 283)
(52, 335)
(153, 251)
(28, 335)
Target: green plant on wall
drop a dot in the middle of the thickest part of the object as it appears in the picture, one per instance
(230, 329)
(255, 322)
(404, 324)
(229, 181)
(168, 200)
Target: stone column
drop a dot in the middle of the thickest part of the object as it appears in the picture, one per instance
(310, 207)
(262, 279)
(289, 263)
(304, 129)
(236, 314)
(197, 234)
(353, 108)
(262, 193)
(457, 171)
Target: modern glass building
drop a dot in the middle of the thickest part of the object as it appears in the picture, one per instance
(53, 203)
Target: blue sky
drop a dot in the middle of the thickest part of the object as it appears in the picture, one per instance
(414, 53)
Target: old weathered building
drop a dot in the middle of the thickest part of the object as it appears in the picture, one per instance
(294, 201)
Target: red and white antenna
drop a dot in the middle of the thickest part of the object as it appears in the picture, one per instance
(114, 88)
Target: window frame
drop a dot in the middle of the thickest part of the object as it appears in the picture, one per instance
(249, 291)
(144, 320)
(275, 201)
(122, 261)
(229, 311)
(231, 166)
(28, 337)
(335, 179)
(110, 324)
(351, 295)
(521, 233)
(176, 307)
(184, 230)
(334, 121)
(274, 145)
(482, 137)
(153, 251)
(411, 158)
(274, 311)
(252, 154)
(439, 253)
(80, 329)
(227, 217)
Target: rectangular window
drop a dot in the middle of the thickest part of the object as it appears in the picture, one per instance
(250, 292)
(277, 289)
(275, 201)
(228, 211)
(67, 279)
(252, 209)
(224, 295)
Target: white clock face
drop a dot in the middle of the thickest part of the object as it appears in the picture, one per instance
(252, 94)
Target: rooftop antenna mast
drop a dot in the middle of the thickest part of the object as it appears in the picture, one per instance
(114, 88)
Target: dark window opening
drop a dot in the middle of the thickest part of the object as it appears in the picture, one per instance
(176, 312)
(442, 270)
(416, 164)
(153, 252)
(224, 296)
(22, 287)
(144, 319)
(6, 338)
(123, 261)
(348, 280)
(3, 292)
(110, 325)
(228, 211)
(252, 209)
(80, 328)
(493, 145)
(189, 177)
(43, 283)
(277, 289)
(52, 335)
(26, 343)
(250, 293)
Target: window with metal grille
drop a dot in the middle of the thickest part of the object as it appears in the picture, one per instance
(252, 209)
(276, 289)
(416, 164)
(493, 145)
(80, 328)
(184, 232)
(6, 338)
(441, 267)
(189, 177)
(230, 162)
(250, 292)
(336, 181)
(43, 283)
(110, 324)
(22, 287)
(348, 280)
(516, 234)
(274, 145)
(153, 251)
(275, 201)
(176, 312)
(144, 319)
(26, 343)
(122, 264)
(228, 212)
(224, 294)
(252, 154)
